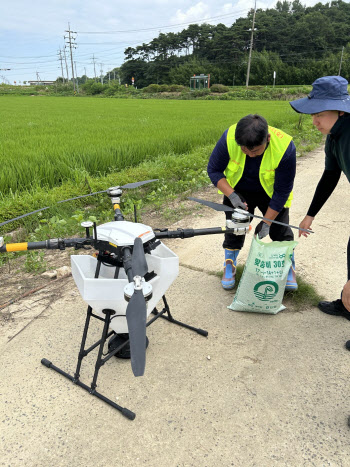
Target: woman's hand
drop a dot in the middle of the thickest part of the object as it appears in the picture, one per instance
(305, 224)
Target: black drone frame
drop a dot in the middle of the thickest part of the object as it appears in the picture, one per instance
(132, 260)
(119, 259)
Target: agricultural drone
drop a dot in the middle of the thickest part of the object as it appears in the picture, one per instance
(124, 280)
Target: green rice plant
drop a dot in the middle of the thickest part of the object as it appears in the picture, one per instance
(46, 142)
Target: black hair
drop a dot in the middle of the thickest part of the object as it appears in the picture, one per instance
(251, 131)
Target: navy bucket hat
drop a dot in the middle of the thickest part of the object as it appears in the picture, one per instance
(328, 93)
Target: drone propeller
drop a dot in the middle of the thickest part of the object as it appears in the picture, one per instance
(223, 207)
(216, 206)
(138, 261)
(136, 311)
(137, 184)
(128, 185)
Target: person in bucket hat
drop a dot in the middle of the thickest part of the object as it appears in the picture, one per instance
(329, 105)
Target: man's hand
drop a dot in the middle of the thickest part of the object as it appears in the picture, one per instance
(305, 224)
(346, 296)
(262, 230)
(237, 202)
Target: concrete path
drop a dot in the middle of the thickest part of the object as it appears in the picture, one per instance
(258, 391)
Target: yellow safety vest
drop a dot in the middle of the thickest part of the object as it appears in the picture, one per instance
(279, 142)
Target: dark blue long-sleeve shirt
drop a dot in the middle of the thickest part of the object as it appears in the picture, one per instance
(284, 174)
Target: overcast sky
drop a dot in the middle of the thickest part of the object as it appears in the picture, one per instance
(32, 32)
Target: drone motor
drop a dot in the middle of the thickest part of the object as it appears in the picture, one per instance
(239, 223)
(138, 284)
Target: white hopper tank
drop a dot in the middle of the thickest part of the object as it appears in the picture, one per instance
(107, 292)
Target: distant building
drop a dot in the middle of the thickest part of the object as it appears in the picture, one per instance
(199, 82)
(45, 83)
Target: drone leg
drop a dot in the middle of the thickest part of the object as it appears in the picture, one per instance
(99, 361)
(82, 352)
(126, 412)
(170, 318)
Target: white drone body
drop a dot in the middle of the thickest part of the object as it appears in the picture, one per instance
(106, 292)
(123, 233)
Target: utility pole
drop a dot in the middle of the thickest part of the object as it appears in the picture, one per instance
(109, 78)
(65, 59)
(93, 61)
(38, 78)
(85, 74)
(71, 45)
(3, 77)
(101, 73)
(341, 60)
(5, 80)
(61, 59)
(251, 47)
(76, 76)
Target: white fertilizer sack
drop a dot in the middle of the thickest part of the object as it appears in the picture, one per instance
(264, 278)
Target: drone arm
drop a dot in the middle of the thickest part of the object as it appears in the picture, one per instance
(118, 216)
(52, 244)
(187, 233)
(127, 263)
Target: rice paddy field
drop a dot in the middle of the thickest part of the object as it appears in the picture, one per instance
(47, 142)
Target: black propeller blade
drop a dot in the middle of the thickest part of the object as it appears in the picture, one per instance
(128, 185)
(137, 184)
(136, 311)
(138, 261)
(136, 314)
(223, 207)
(216, 206)
(24, 215)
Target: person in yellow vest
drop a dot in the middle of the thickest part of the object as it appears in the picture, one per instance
(253, 165)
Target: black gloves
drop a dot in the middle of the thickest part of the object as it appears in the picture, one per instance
(236, 201)
(262, 230)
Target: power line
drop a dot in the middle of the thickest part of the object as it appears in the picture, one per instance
(40, 56)
(164, 27)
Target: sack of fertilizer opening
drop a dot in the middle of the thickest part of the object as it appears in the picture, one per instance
(264, 277)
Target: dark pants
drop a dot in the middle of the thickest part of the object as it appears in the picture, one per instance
(261, 201)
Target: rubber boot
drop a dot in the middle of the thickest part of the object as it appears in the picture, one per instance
(291, 279)
(230, 264)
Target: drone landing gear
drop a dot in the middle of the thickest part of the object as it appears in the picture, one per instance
(166, 309)
(103, 358)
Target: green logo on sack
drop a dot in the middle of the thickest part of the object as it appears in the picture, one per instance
(265, 290)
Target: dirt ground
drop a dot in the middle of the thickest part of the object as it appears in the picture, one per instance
(260, 390)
